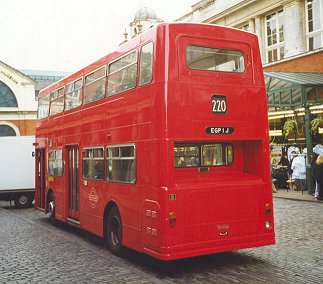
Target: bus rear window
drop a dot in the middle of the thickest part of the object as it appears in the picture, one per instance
(203, 155)
(215, 59)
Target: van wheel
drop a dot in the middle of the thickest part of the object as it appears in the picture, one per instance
(23, 200)
(114, 231)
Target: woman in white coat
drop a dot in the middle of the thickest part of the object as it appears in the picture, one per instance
(299, 171)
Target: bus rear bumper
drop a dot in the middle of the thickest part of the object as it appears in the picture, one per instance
(211, 247)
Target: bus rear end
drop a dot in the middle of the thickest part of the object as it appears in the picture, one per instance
(217, 186)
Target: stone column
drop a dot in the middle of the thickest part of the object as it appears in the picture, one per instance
(294, 28)
(257, 29)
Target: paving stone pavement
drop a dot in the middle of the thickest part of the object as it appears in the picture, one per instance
(34, 251)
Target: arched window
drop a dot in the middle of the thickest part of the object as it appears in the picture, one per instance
(7, 97)
(6, 130)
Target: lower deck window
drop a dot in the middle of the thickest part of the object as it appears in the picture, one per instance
(121, 163)
(55, 162)
(93, 163)
(203, 155)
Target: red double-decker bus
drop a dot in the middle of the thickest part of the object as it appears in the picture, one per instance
(161, 146)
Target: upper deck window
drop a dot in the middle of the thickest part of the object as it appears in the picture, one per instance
(146, 63)
(73, 95)
(123, 74)
(57, 102)
(94, 86)
(43, 106)
(215, 59)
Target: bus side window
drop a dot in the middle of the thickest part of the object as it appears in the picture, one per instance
(55, 162)
(123, 74)
(146, 63)
(43, 106)
(93, 163)
(73, 96)
(94, 88)
(121, 163)
(57, 102)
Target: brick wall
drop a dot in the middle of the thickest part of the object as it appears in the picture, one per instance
(26, 127)
(309, 63)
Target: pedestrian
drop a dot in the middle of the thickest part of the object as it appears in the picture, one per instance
(318, 175)
(313, 165)
(299, 171)
(283, 160)
(282, 171)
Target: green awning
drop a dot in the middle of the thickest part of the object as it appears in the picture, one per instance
(293, 89)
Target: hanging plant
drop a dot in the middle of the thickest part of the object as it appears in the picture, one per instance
(315, 123)
(289, 126)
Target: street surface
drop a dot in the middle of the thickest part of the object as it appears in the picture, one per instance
(34, 251)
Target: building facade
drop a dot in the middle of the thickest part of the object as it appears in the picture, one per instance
(18, 98)
(17, 103)
(287, 30)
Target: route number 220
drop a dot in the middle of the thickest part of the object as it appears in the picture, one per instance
(219, 104)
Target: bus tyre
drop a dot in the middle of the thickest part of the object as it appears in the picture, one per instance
(51, 210)
(114, 231)
(23, 200)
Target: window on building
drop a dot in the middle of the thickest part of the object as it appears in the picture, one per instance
(55, 162)
(275, 45)
(245, 27)
(93, 163)
(94, 86)
(7, 97)
(314, 24)
(121, 163)
(123, 74)
(57, 102)
(73, 97)
(6, 130)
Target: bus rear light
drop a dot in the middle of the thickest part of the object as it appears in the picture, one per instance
(268, 208)
(172, 218)
(268, 225)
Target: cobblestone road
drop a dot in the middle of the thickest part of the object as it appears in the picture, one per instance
(34, 251)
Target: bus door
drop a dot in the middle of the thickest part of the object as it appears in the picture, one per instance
(40, 178)
(73, 182)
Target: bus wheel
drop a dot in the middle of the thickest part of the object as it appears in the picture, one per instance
(114, 231)
(51, 210)
(23, 200)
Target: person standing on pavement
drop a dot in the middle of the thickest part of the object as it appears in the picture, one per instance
(313, 165)
(299, 171)
(318, 175)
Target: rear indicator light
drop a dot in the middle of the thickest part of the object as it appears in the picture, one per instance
(172, 218)
(268, 208)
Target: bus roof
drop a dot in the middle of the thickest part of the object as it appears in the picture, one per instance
(136, 41)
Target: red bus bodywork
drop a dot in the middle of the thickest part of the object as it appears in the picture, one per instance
(168, 212)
